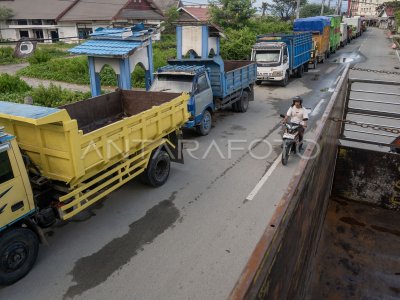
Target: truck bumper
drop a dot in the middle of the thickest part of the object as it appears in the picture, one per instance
(266, 78)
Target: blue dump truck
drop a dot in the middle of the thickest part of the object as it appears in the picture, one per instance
(212, 84)
(281, 55)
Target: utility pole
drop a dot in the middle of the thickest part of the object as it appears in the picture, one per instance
(298, 9)
(322, 7)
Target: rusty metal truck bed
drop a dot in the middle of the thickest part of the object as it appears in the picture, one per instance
(358, 254)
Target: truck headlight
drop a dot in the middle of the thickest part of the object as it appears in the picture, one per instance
(277, 74)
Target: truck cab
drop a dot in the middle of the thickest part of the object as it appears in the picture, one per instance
(272, 61)
(195, 81)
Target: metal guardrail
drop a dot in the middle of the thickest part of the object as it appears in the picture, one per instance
(378, 112)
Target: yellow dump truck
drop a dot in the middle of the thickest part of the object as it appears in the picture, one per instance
(55, 162)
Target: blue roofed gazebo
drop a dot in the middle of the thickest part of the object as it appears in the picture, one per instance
(120, 48)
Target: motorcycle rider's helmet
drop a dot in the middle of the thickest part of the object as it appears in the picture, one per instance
(297, 99)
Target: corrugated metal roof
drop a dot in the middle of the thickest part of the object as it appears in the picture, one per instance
(106, 47)
(182, 68)
(25, 110)
(114, 41)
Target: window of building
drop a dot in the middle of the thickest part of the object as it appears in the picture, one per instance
(6, 172)
(84, 33)
(24, 34)
(36, 22)
(22, 22)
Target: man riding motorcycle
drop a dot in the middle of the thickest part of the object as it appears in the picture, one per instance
(298, 115)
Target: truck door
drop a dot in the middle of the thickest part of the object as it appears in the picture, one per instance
(13, 197)
(203, 94)
(286, 58)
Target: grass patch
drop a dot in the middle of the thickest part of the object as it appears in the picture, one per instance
(7, 56)
(13, 89)
(324, 90)
(76, 70)
(44, 52)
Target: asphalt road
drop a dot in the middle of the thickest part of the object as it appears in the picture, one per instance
(190, 238)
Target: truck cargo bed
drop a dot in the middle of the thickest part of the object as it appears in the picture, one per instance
(94, 113)
(358, 255)
(80, 140)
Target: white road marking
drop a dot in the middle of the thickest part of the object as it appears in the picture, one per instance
(317, 108)
(337, 80)
(331, 90)
(264, 179)
(398, 55)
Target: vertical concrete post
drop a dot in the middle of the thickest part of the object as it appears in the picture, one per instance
(179, 44)
(94, 78)
(150, 72)
(204, 41)
(124, 81)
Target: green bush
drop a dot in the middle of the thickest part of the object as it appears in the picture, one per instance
(7, 55)
(39, 56)
(239, 42)
(12, 84)
(54, 96)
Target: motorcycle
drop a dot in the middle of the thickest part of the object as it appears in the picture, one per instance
(291, 140)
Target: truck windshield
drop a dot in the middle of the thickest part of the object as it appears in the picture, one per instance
(172, 83)
(268, 56)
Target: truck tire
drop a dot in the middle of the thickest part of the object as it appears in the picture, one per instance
(204, 127)
(306, 67)
(19, 248)
(243, 104)
(157, 172)
(285, 80)
(300, 71)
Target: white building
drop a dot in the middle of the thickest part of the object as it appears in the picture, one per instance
(69, 21)
(365, 8)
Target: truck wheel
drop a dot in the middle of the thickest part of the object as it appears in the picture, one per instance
(306, 67)
(258, 82)
(285, 80)
(157, 172)
(18, 252)
(243, 104)
(300, 71)
(204, 127)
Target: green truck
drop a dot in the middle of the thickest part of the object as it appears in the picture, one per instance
(334, 37)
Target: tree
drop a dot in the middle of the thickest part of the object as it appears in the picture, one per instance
(5, 13)
(285, 9)
(231, 13)
(171, 16)
(264, 7)
(239, 42)
(312, 10)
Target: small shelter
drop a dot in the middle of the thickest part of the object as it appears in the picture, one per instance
(196, 35)
(120, 48)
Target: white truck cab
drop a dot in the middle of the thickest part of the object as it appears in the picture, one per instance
(272, 62)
